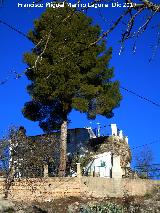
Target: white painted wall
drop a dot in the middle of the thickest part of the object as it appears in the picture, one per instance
(121, 134)
(100, 165)
(117, 171)
(126, 139)
(114, 129)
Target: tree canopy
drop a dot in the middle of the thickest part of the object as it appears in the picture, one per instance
(67, 71)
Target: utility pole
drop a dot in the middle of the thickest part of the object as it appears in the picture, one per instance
(98, 130)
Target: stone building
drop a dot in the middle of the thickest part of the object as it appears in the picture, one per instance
(28, 154)
(106, 156)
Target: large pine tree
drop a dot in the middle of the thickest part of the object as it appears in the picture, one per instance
(68, 72)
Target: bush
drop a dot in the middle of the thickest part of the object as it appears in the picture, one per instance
(100, 208)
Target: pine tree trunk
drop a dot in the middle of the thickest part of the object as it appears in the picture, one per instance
(63, 149)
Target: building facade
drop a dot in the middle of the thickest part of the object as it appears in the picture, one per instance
(80, 141)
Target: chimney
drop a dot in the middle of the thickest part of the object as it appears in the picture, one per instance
(98, 130)
(114, 129)
(121, 134)
(126, 139)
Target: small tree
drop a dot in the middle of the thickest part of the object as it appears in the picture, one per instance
(144, 160)
(23, 156)
(66, 73)
(10, 155)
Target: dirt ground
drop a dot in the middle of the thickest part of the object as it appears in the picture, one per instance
(148, 204)
(61, 205)
(56, 206)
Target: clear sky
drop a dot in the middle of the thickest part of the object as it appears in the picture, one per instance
(137, 118)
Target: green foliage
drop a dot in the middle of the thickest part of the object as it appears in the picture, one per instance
(83, 160)
(100, 208)
(66, 71)
(152, 193)
(10, 210)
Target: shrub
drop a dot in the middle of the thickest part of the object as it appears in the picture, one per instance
(100, 208)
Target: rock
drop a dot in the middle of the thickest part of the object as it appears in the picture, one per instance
(76, 203)
(20, 211)
(6, 205)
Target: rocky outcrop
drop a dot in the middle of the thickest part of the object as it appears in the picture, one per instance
(117, 146)
(6, 206)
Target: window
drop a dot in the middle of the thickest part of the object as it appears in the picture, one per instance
(103, 163)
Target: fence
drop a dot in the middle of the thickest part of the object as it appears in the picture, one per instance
(149, 171)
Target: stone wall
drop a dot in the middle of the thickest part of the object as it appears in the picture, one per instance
(103, 187)
(45, 189)
(48, 189)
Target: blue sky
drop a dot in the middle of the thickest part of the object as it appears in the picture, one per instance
(137, 118)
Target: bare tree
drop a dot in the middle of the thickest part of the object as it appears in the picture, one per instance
(144, 161)
(23, 156)
(135, 18)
